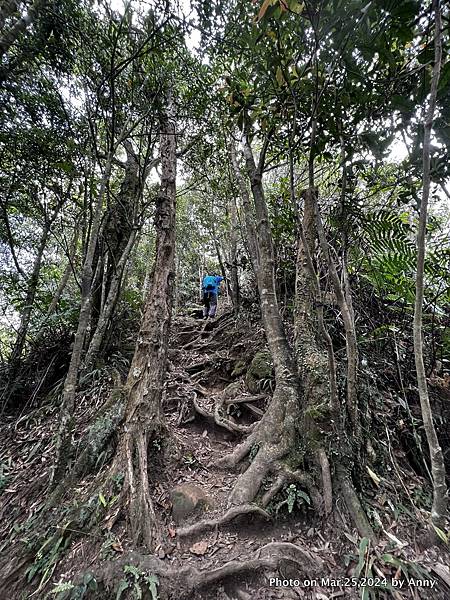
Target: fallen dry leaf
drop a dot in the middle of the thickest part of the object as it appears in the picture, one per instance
(117, 546)
(199, 548)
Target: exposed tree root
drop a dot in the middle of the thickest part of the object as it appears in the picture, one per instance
(231, 514)
(217, 327)
(273, 438)
(239, 453)
(219, 419)
(183, 582)
(245, 399)
(354, 505)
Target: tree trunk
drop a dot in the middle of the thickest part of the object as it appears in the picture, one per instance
(30, 296)
(66, 275)
(109, 305)
(120, 234)
(439, 507)
(275, 434)
(66, 424)
(248, 213)
(311, 359)
(233, 257)
(349, 326)
(144, 425)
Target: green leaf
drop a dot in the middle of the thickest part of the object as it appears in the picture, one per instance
(364, 544)
(262, 11)
(62, 587)
(280, 76)
(102, 499)
(296, 7)
(303, 496)
(441, 534)
(137, 590)
(132, 570)
(152, 582)
(123, 585)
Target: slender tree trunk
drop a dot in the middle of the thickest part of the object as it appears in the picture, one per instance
(109, 304)
(311, 359)
(9, 37)
(233, 257)
(275, 434)
(439, 507)
(66, 424)
(144, 426)
(66, 275)
(120, 233)
(349, 326)
(248, 215)
(30, 296)
(273, 325)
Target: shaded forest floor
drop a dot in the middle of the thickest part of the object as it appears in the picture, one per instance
(208, 409)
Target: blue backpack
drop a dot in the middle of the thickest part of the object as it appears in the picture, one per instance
(209, 283)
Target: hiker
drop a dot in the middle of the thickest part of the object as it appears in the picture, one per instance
(210, 288)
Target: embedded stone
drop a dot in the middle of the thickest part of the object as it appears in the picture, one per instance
(187, 500)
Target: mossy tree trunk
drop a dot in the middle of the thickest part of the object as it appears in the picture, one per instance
(275, 435)
(144, 425)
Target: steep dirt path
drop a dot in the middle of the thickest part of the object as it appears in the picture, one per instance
(203, 356)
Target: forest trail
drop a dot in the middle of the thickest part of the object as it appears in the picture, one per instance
(208, 411)
(204, 355)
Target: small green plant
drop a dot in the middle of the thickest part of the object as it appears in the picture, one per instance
(253, 452)
(3, 476)
(68, 591)
(293, 496)
(190, 460)
(110, 546)
(371, 566)
(46, 559)
(106, 502)
(133, 580)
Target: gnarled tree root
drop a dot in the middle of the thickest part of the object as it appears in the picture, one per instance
(183, 582)
(218, 419)
(353, 504)
(231, 514)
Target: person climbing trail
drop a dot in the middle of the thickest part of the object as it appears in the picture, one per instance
(210, 287)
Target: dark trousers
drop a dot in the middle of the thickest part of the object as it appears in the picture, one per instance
(210, 304)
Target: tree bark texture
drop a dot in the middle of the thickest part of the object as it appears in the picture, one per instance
(233, 256)
(275, 434)
(248, 213)
(144, 388)
(119, 236)
(349, 327)
(440, 500)
(312, 362)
